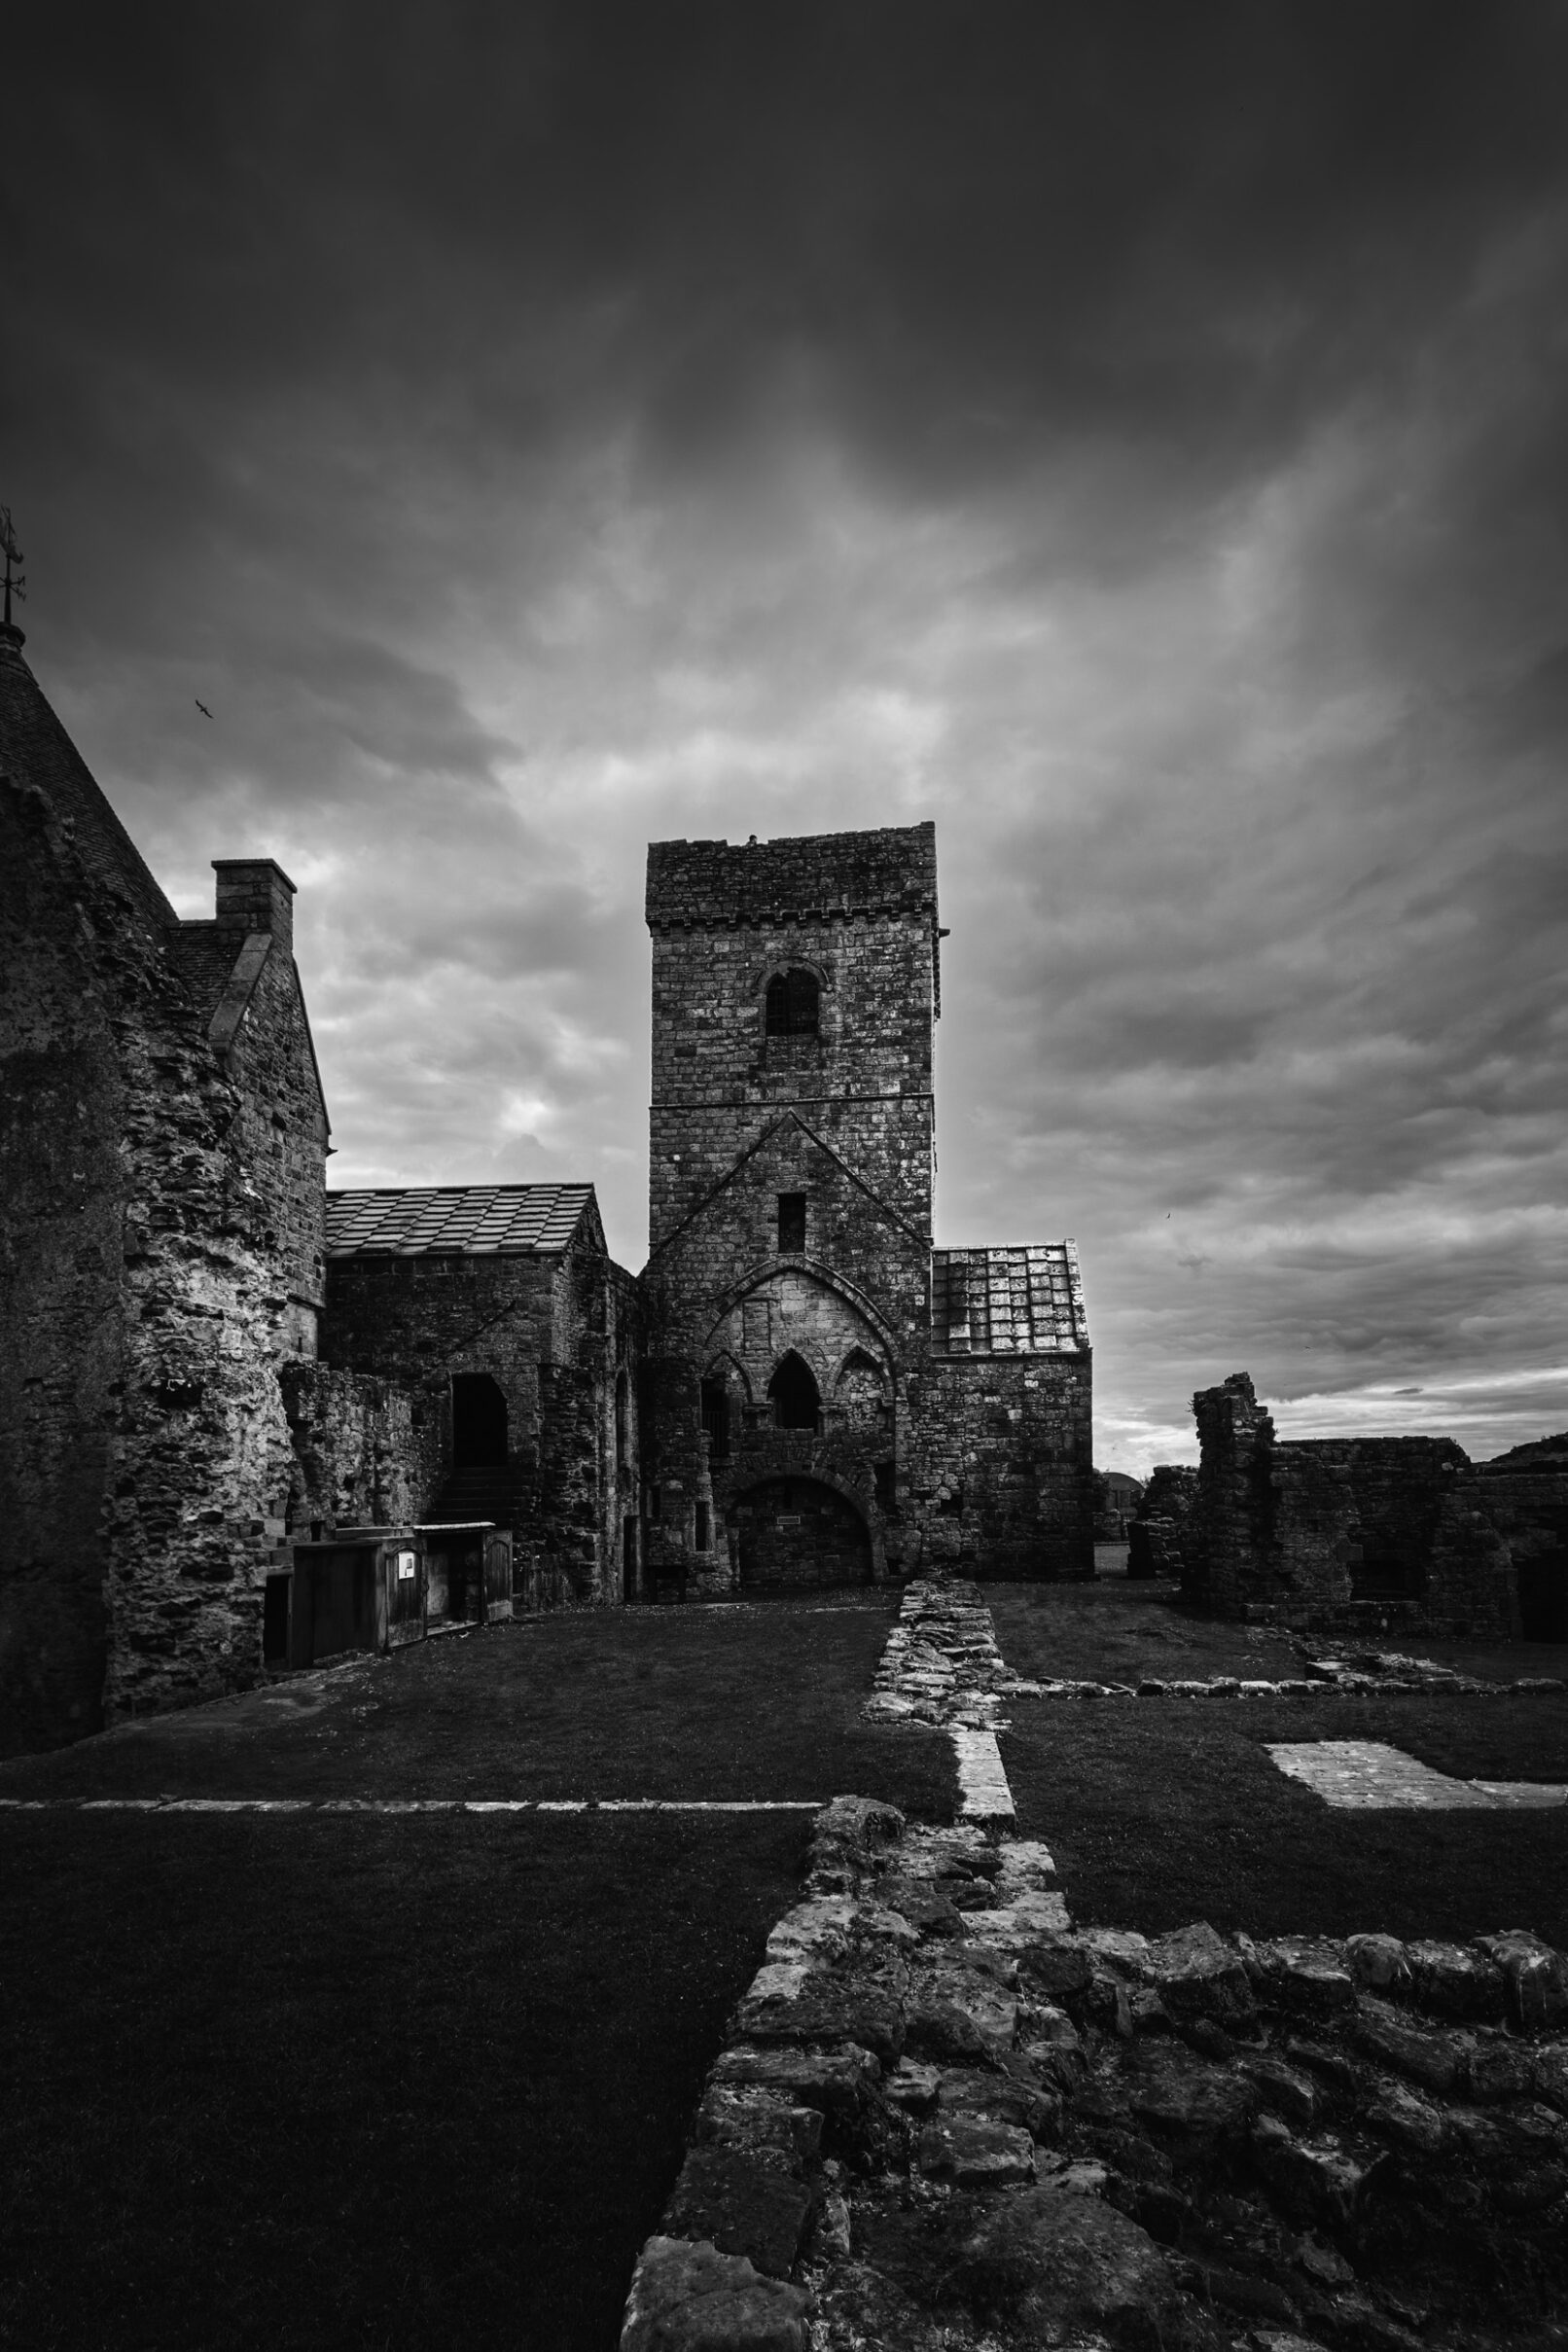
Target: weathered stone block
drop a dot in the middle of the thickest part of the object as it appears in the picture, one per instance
(695, 2299)
(1437, 2061)
(1051, 2264)
(742, 2204)
(975, 2152)
(1198, 1974)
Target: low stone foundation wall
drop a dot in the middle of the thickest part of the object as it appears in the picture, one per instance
(946, 2122)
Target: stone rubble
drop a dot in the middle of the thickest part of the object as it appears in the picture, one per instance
(941, 1664)
(941, 1667)
(948, 2121)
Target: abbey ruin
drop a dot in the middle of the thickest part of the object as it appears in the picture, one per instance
(244, 1418)
(246, 1422)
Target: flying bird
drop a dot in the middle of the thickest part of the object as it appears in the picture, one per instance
(201, 707)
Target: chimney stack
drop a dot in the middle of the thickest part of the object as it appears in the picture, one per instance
(255, 894)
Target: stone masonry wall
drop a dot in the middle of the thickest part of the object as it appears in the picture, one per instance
(1229, 1531)
(1372, 1534)
(860, 911)
(359, 1458)
(739, 1119)
(1355, 1520)
(281, 1133)
(203, 1461)
(150, 1456)
(63, 1195)
(556, 1335)
(1157, 1534)
(1000, 1471)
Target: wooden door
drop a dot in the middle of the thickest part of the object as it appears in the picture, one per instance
(497, 1575)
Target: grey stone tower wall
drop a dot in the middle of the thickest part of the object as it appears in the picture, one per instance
(738, 1118)
(859, 909)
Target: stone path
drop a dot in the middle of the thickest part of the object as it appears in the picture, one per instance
(941, 1667)
(1367, 1775)
(410, 1805)
(1123, 2140)
(940, 2109)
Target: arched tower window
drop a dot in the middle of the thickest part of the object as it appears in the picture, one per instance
(795, 1402)
(793, 1004)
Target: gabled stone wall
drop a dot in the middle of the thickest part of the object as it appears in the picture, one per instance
(558, 1335)
(860, 911)
(147, 1461)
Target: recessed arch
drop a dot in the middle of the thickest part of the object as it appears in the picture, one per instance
(796, 1397)
(725, 1367)
(880, 1339)
(795, 1532)
(860, 1391)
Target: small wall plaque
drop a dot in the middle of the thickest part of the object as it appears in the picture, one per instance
(406, 1564)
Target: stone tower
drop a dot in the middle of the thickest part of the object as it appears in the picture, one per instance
(794, 976)
(826, 1398)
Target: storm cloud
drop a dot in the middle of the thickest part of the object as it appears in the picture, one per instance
(1136, 439)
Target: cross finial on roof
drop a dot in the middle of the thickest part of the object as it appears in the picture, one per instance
(12, 555)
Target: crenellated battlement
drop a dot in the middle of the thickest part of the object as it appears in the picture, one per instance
(812, 878)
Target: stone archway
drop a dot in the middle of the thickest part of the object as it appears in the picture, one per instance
(795, 1533)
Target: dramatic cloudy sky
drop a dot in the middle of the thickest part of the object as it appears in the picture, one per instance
(1135, 439)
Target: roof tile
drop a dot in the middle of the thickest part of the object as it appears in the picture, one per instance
(477, 1220)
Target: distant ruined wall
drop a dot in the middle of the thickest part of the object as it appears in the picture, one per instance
(1224, 1562)
(1374, 1535)
(1158, 1537)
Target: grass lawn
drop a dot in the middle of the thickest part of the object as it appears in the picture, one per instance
(292, 2081)
(1115, 1630)
(693, 1703)
(1162, 1811)
(300, 2083)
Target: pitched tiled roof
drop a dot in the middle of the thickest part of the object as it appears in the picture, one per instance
(1025, 1301)
(476, 1219)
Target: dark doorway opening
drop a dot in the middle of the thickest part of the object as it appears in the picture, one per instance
(1544, 1597)
(479, 1422)
(715, 1419)
(275, 1621)
(1381, 1575)
(796, 1405)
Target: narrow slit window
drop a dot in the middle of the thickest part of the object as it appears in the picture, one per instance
(792, 1224)
(715, 1419)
